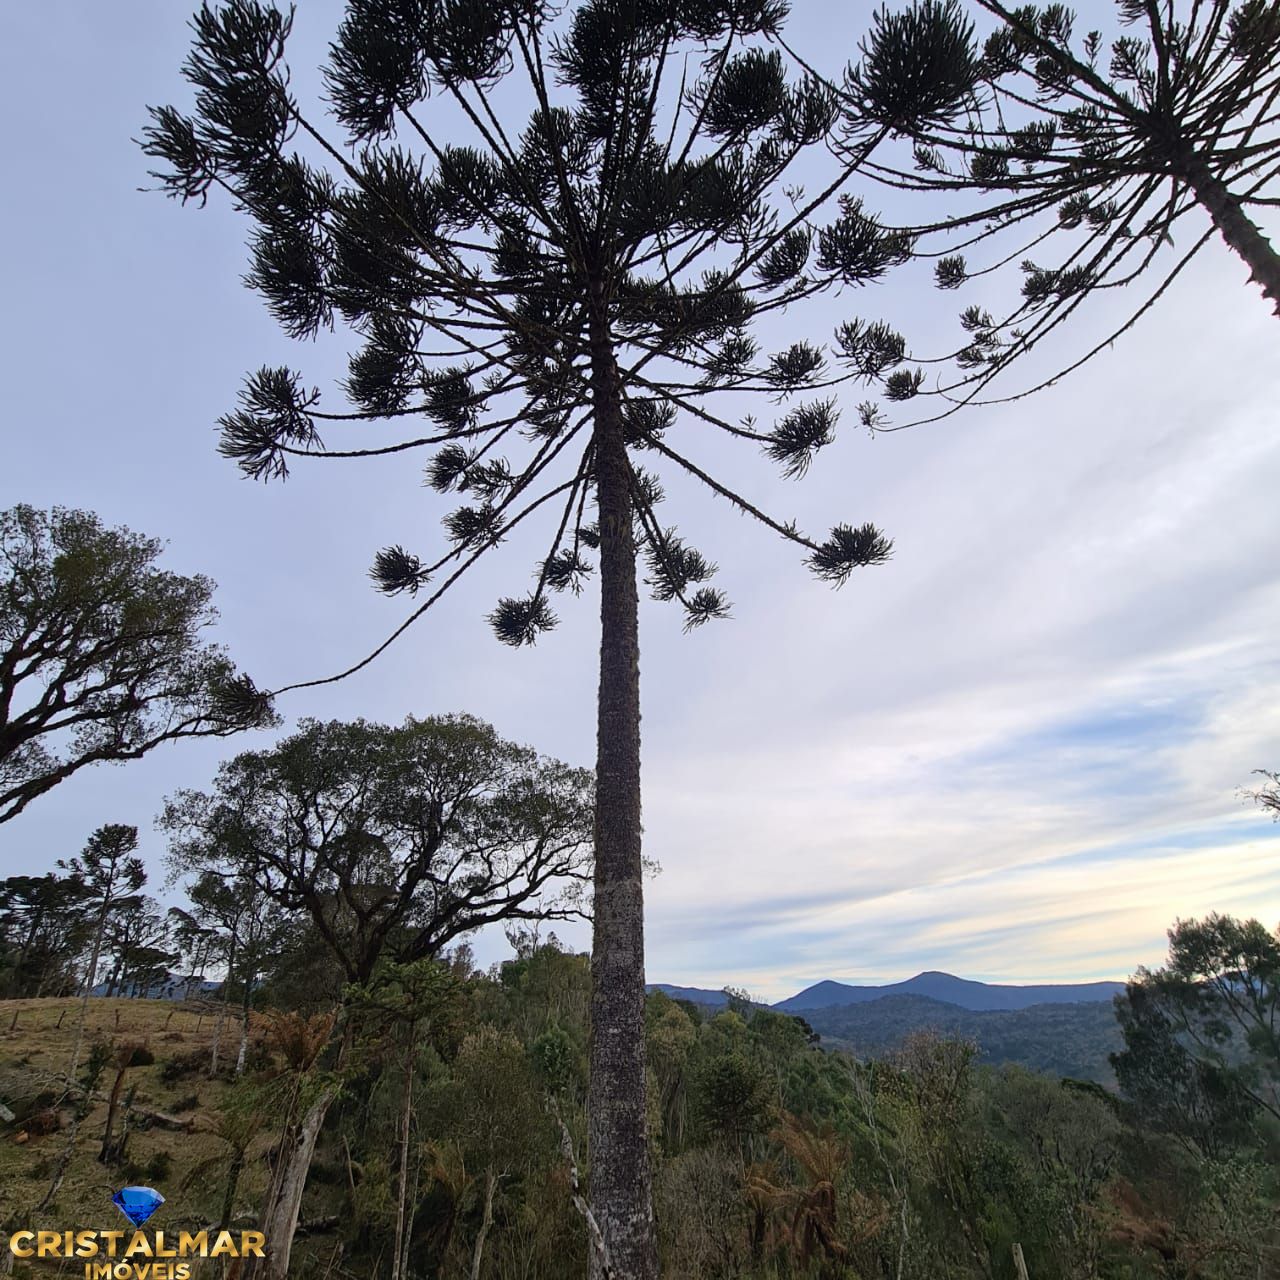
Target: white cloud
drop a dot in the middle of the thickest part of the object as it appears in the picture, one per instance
(1072, 653)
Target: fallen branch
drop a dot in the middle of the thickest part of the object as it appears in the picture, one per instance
(317, 1226)
(164, 1120)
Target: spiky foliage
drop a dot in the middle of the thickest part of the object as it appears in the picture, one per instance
(472, 272)
(553, 295)
(1076, 155)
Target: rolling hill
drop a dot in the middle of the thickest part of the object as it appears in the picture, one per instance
(1066, 1039)
(945, 987)
(1065, 1028)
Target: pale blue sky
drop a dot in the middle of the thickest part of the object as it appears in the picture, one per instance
(1013, 753)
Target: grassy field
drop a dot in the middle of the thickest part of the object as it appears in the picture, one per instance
(172, 1144)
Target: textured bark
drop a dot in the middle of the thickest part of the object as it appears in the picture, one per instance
(1236, 227)
(280, 1220)
(619, 1182)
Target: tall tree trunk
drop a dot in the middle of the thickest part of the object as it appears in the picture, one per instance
(619, 1184)
(477, 1257)
(89, 978)
(20, 965)
(402, 1181)
(245, 1006)
(413, 1209)
(1235, 226)
(112, 1106)
(280, 1219)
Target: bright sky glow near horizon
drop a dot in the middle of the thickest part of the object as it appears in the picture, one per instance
(1014, 753)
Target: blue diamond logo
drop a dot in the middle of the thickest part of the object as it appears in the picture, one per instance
(137, 1203)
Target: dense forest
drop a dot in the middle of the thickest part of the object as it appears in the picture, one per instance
(452, 1140)
(1075, 1040)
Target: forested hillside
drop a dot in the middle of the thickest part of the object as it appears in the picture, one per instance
(457, 1127)
(1074, 1040)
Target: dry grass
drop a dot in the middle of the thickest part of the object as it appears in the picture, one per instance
(36, 1039)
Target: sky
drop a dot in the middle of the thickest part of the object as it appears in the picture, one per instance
(1014, 753)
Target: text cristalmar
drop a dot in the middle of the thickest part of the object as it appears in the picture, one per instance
(124, 1251)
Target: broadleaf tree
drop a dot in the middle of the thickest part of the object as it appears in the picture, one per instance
(101, 653)
(553, 288)
(391, 843)
(1079, 161)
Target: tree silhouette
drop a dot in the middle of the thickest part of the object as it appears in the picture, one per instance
(100, 653)
(553, 297)
(1076, 156)
(112, 878)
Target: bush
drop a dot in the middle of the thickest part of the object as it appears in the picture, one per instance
(45, 1121)
(181, 1065)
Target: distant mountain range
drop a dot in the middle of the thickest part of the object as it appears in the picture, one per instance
(1069, 1029)
(1072, 1039)
(977, 996)
(697, 995)
(946, 988)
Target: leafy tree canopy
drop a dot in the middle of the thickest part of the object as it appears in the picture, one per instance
(394, 840)
(102, 656)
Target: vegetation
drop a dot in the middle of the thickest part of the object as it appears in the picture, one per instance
(568, 286)
(456, 1132)
(557, 296)
(1074, 1040)
(100, 653)
(381, 846)
(1076, 154)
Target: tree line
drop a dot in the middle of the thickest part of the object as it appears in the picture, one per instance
(452, 1141)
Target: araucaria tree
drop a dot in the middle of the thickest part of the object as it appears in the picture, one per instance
(101, 653)
(112, 878)
(1083, 156)
(553, 295)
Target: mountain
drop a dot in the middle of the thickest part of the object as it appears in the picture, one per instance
(948, 989)
(1068, 1029)
(698, 995)
(1065, 1038)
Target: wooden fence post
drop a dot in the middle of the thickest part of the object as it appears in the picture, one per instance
(1020, 1262)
